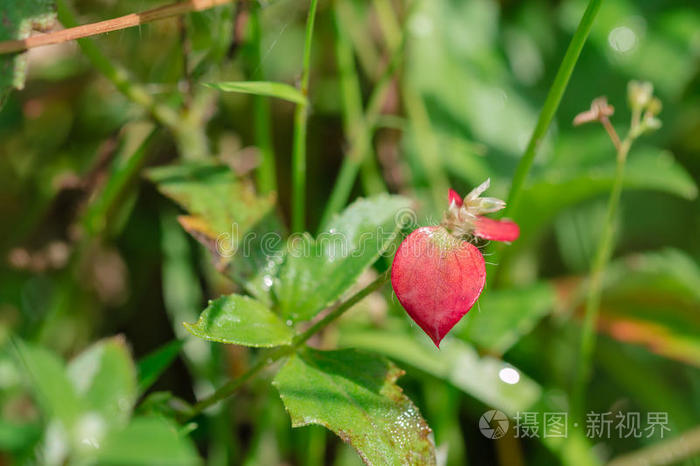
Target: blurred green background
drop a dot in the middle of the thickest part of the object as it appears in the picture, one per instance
(90, 249)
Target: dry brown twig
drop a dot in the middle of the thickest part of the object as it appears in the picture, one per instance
(110, 25)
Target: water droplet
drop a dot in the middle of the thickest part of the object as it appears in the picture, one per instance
(267, 282)
(509, 375)
(622, 39)
(90, 429)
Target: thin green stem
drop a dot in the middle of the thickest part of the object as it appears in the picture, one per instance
(189, 137)
(276, 354)
(602, 257)
(119, 77)
(266, 173)
(300, 123)
(123, 172)
(358, 128)
(427, 147)
(551, 104)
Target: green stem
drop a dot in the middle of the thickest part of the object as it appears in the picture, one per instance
(119, 77)
(551, 104)
(276, 354)
(358, 127)
(427, 147)
(187, 131)
(685, 446)
(602, 257)
(300, 122)
(266, 173)
(123, 172)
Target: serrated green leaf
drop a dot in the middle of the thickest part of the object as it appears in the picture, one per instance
(154, 364)
(241, 320)
(17, 20)
(148, 441)
(240, 229)
(355, 395)
(265, 88)
(316, 272)
(104, 376)
(503, 316)
(213, 194)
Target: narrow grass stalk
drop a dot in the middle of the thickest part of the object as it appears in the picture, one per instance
(426, 143)
(276, 354)
(675, 450)
(190, 139)
(119, 77)
(358, 127)
(300, 124)
(122, 174)
(266, 173)
(551, 104)
(600, 262)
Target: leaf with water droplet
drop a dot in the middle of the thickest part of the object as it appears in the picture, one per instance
(355, 395)
(318, 271)
(241, 320)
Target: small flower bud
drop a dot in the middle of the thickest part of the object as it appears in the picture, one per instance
(485, 205)
(654, 107)
(599, 109)
(651, 123)
(639, 94)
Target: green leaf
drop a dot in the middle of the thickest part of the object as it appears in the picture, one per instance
(354, 394)
(154, 364)
(148, 441)
(47, 378)
(265, 88)
(455, 362)
(17, 20)
(240, 229)
(503, 316)
(316, 272)
(105, 377)
(213, 195)
(241, 320)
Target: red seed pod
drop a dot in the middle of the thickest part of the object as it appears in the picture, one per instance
(437, 273)
(437, 279)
